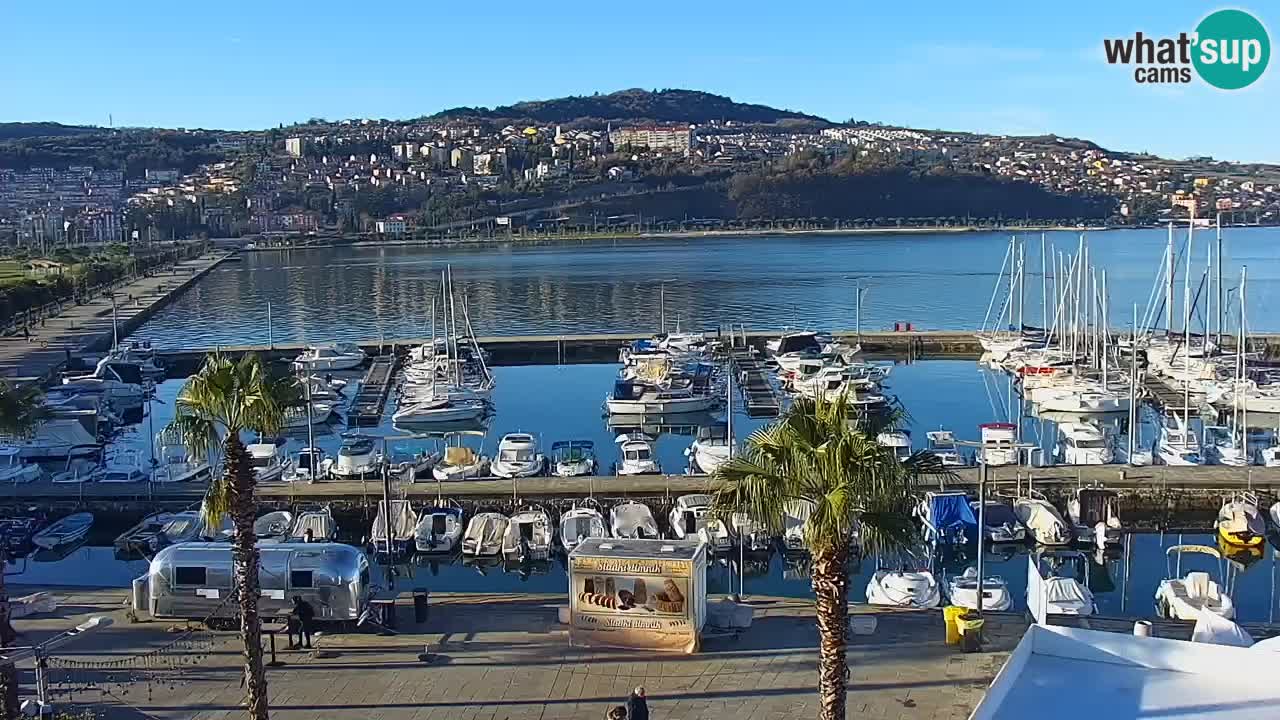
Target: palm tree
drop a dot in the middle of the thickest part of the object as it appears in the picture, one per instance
(223, 399)
(20, 413)
(820, 455)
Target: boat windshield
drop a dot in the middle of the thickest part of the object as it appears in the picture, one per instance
(519, 455)
(262, 461)
(640, 453)
(1088, 443)
(998, 514)
(304, 461)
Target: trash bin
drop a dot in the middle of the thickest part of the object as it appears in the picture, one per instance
(420, 597)
(970, 624)
(951, 616)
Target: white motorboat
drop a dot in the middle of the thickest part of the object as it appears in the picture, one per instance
(439, 529)
(141, 538)
(794, 342)
(1178, 444)
(632, 520)
(1240, 523)
(711, 448)
(1064, 594)
(68, 530)
(529, 535)
(1042, 521)
(331, 356)
(942, 443)
(267, 460)
(691, 519)
(485, 534)
(638, 457)
(1083, 400)
(904, 588)
(1186, 597)
(323, 387)
(119, 383)
(57, 439)
(296, 418)
(190, 526)
(571, 458)
(176, 464)
(518, 456)
(393, 532)
(124, 467)
(1082, 444)
(637, 398)
(1001, 523)
(963, 591)
(274, 525)
(318, 525)
(143, 356)
(748, 534)
(580, 523)
(897, 441)
(13, 469)
(998, 444)
(309, 465)
(795, 515)
(1269, 456)
(440, 410)
(358, 458)
(1096, 515)
(460, 463)
(947, 517)
(78, 471)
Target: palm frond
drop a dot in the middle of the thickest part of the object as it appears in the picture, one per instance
(20, 408)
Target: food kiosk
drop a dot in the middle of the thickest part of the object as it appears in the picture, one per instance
(632, 593)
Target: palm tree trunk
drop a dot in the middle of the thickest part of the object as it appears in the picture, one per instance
(241, 480)
(8, 673)
(830, 578)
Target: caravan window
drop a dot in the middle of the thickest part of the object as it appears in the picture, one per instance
(189, 576)
(300, 579)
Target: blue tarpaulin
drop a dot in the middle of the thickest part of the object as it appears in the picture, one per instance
(949, 514)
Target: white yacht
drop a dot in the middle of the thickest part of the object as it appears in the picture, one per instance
(460, 463)
(1043, 521)
(896, 441)
(296, 417)
(904, 588)
(1269, 456)
(1186, 597)
(439, 529)
(321, 387)
(176, 464)
(571, 458)
(711, 448)
(125, 467)
(357, 458)
(439, 410)
(942, 443)
(636, 398)
(638, 457)
(691, 519)
(1178, 444)
(13, 469)
(529, 535)
(273, 526)
(632, 520)
(963, 591)
(1082, 444)
(309, 465)
(331, 356)
(267, 460)
(485, 534)
(518, 456)
(580, 523)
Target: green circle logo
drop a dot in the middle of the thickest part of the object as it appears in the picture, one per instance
(1232, 49)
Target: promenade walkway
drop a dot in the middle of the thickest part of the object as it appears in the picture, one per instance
(505, 657)
(80, 328)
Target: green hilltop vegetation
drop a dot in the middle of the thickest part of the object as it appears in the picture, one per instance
(634, 105)
(21, 130)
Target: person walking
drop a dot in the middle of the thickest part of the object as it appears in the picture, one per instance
(305, 614)
(637, 706)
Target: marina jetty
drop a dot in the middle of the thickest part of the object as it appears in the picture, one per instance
(90, 327)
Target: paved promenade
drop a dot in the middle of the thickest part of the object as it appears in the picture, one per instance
(80, 327)
(502, 657)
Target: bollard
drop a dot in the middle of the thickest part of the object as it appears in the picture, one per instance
(1142, 628)
(420, 607)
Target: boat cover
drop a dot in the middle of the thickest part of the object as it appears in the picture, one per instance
(1214, 629)
(403, 521)
(1041, 519)
(459, 456)
(1066, 592)
(273, 523)
(320, 524)
(630, 517)
(487, 530)
(950, 512)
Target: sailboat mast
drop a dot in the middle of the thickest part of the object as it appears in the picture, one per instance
(1221, 297)
(1242, 400)
(1133, 387)
(1044, 287)
(1169, 288)
(1102, 336)
(1186, 325)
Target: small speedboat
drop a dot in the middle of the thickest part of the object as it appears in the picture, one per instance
(13, 469)
(638, 457)
(1096, 516)
(571, 458)
(68, 530)
(1186, 597)
(267, 461)
(896, 441)
(310, 465)
(1043, 521)
(274, 525)
(358, 458)
(632, 520)
(1065, 594)
(947, 517)
(1082, 444)
(691, 519)
(580, 523)
(314, 525)
(942, 443)
(518, 456)
(1240, 524)
(439, 529)
(1000, 522)
(529, 535)
(460, 463)
(963, 591)
(124, 467)
(393, 532)
(485, 534)
(333, 356)
(141, 537)
(710, 449)
(904, 588)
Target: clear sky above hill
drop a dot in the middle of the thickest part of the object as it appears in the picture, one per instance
(1004, 67)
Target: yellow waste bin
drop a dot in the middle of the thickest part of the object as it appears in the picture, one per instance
(970, 624)
(951, 614)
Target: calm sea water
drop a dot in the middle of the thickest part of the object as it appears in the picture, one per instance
(940, 281)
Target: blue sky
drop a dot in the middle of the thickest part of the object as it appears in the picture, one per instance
(1011, 67)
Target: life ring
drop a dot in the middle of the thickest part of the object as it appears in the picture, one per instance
(44, 344)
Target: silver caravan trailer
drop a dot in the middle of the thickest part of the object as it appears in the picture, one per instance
(193, 581)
